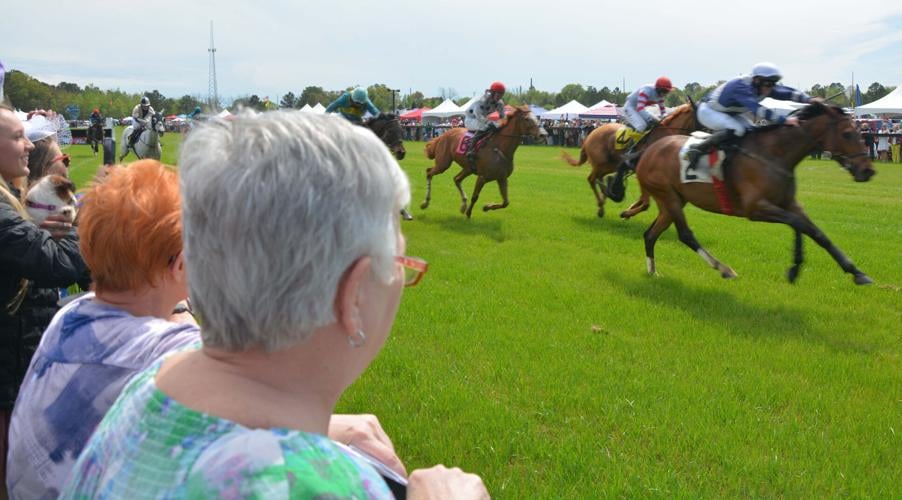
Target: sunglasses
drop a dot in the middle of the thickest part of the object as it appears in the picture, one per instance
(414, 269)
(63, 158)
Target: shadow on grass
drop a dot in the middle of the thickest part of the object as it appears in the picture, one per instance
(612, 224)
(480, 224)
(718, 307)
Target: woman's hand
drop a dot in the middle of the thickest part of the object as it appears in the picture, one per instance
(440, 482)
(57, 225)
(365, 432)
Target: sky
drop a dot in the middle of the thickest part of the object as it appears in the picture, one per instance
(271, 47)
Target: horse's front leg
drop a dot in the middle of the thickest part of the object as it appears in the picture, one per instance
(796, 218)
(502, 188)
(458, 179)
(480, 182)
(675, 209)
(797, 257)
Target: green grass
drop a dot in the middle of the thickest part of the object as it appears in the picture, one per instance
(539, 354)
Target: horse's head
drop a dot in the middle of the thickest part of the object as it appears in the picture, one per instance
(524, 123)
(387, 127)
(157, 122)
(840, 138)
(682, 119)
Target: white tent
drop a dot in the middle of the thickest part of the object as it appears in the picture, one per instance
(224, 114)
(306, 109)
(602, 104)
(782, 108)
(444, 110)
(465, 106)
(890, 104)
(318, 109)
(568, 111)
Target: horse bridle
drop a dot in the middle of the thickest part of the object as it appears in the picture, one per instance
(842, 159)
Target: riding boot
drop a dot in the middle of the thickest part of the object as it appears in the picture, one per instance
(710, 142)
(615, 188)
(471, 149)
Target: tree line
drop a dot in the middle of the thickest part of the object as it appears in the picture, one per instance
(26, 92)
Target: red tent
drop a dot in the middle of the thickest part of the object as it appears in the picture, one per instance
(416, 114)
(507, 110)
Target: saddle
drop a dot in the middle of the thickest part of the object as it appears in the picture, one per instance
(464, 144)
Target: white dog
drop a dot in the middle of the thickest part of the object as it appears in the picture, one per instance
(52, 195)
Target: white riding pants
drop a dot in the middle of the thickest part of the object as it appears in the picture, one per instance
(635, 119)
(717, 120)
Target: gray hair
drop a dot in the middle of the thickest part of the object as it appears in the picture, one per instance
(276, 207)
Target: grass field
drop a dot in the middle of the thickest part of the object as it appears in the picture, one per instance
(538, 353)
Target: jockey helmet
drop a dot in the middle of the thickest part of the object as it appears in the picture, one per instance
(497, 87)
(96, 110)
(664, 83)
(145, 101)
(767, 71)
(359, 95)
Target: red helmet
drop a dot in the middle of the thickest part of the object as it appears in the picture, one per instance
(96, 110)
(497, 87)
(664, 83)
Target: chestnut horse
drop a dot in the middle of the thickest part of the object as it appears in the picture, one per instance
(598, 149)
(494, 160)
(759, 183)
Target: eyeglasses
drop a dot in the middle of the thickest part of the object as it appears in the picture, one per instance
(768, 83)
(414, 269)
(63, 158)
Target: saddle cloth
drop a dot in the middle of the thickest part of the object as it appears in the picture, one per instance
(465, 140)
(626, 137)
(707, 169)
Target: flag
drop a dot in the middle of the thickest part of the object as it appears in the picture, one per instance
(2, 74)
(857, 96)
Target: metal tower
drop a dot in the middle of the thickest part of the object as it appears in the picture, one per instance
(212, 93)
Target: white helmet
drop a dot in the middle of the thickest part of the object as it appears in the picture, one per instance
(145, 101)
(767, 70)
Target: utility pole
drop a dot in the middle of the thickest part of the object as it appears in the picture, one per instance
(393, 106)
(212, 91)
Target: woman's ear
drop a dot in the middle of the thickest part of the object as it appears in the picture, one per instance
(177, 270)
(348, 295)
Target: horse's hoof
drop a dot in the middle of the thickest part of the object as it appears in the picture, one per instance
(486, 208)
(792, 274)
(600, 212)
(424, 205)
(728, 274)
(463, 210)
(625, 214)
(863, 279)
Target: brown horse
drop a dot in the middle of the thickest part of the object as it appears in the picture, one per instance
(598, 149)
(494, 160)
(759, 183)
(95, 136)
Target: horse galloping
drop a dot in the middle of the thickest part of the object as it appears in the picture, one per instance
(599, 150)
(759, 183)
(494, 160)
(148, 144)
(95, 136)
(387, 127)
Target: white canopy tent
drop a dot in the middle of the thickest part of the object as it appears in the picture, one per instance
(446, 109)
(890, 104)
(318, 109)
(306, 108)
(602, 104)
(568, 111)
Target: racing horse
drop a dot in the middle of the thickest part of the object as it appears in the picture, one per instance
(759, 183)
(494, 160)
(598, 149)
(148, 145)
(95, 136)
(387, 127)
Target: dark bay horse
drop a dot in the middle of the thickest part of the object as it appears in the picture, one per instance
(95, 136)
(387, 127)
(759, 183)
(494, 160)
(598, 149)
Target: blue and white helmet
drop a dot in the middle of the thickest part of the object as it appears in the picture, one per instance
(767, 71)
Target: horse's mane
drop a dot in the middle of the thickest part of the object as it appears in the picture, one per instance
(680, 110)
(815, 109)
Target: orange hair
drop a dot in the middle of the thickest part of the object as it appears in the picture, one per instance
(130, 226)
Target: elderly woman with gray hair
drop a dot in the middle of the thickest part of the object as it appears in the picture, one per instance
(295, 266)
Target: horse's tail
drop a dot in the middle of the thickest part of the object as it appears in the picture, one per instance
(430, 148)
(569, 159)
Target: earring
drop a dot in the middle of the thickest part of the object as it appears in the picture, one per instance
(357, 340)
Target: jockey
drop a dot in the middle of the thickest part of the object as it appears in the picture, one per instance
(96, 117)
(725, 110)
(477, 120)
(352, 105)
(638, 122)
(141, 116)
